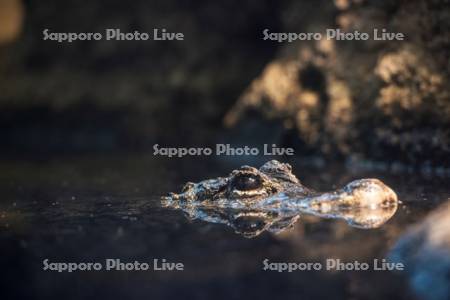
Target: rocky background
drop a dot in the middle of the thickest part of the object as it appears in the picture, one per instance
(377, 100)
(386, 100)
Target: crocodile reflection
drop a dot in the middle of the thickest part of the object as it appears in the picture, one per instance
(271, 199)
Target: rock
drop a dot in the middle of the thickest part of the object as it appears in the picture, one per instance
(425, 252)
(384, 100)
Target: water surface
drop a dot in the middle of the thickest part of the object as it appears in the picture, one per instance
(88, 209)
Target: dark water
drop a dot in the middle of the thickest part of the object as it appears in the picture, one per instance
(90, 209)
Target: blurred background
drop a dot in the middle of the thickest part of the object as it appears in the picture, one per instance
(78, 181)
(125, 95)
(382, 100)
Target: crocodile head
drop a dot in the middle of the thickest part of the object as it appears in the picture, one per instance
(245, 184)
(271, 199)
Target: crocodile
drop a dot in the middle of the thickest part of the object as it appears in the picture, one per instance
(272, 198)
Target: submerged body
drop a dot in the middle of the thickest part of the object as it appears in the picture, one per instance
(273, 190)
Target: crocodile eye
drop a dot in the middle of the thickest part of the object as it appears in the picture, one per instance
(246, 182)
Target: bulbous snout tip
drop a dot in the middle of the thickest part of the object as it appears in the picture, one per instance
(371, 193)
